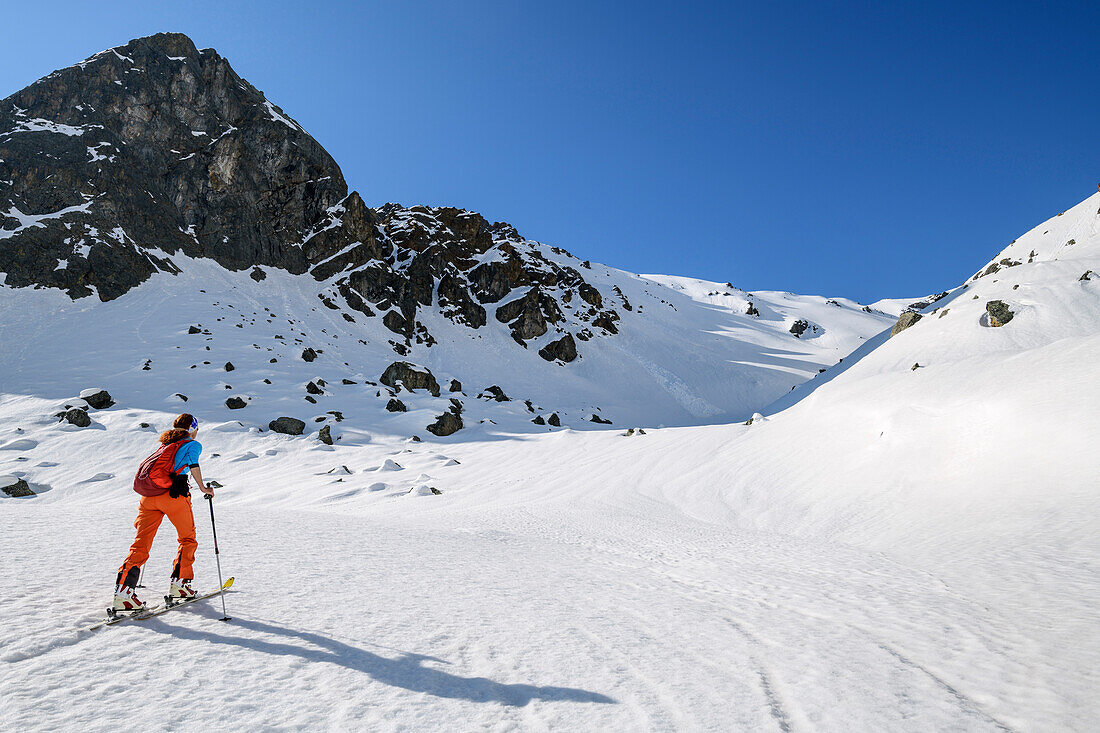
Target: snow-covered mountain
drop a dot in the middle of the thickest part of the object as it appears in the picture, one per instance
(908, 540)
(160, 192)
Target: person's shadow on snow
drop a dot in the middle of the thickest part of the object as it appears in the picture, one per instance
(406, 671)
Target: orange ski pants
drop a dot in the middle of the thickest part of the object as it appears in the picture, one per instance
(151, 511)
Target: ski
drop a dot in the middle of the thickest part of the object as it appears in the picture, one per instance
(160, 608)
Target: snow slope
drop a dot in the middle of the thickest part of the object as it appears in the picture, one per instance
(890, 549)
(679, 357)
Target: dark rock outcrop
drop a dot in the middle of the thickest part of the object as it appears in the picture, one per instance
(494, 393)
(236, 403)
(999, 313)
(309, 354)
(528, 315)
(402, 373)
(396, 405)
(287, 426)
(156, 148)
(75, 416)
(325, 435)
(564, 349)
(446, 424)
(16, 488)
(156, 144)
(97, 399)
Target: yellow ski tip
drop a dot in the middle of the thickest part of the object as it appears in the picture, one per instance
(228, 584)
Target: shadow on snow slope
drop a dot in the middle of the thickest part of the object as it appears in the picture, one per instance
(407, 671)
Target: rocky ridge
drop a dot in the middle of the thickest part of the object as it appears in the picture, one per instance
(157, 147)
(155, 162)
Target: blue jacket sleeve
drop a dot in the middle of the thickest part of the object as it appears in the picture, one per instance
(188, 456)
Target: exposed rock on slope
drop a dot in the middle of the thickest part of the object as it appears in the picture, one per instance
(905, 320)
(156, 147)
(14, 486)
(154, 161)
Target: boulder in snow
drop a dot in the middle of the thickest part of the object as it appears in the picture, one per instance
(496, 393)
(396, 405)
(446, 424)
(14, 486)
(564, 349)
(999, 313)
(325, 435)
(410, 376)
(309, 354)
(97, 398)
(75, 416)
(235, 403)
(287, 426)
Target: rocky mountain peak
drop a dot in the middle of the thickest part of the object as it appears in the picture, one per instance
(147, 149)
(111, 166)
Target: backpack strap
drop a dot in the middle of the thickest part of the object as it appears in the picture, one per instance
(175, 451)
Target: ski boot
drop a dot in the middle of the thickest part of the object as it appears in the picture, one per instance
(179, 592)
(126, 602)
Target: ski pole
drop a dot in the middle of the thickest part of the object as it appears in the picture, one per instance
(217, 555)
(141, 579)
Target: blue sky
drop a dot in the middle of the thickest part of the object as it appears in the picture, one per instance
(865, 150)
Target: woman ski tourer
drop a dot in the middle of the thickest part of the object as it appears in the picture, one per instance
(162, 483)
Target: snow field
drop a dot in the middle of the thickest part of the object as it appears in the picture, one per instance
(890, 549)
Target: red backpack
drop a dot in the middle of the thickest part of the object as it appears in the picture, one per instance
(154, 475)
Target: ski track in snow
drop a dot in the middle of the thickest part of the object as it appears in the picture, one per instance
(609, 615)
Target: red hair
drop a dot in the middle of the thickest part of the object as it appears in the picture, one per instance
(181, 426)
